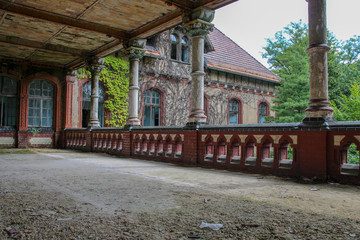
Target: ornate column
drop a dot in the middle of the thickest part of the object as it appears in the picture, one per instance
(198, 25)
(95, 66)
(135, 49)
(319, 109)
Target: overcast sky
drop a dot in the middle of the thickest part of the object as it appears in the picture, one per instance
(250, 22)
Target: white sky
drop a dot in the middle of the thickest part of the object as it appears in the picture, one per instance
(250, 22)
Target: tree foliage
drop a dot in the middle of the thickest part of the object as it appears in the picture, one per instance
(287, 57)
(348, 107)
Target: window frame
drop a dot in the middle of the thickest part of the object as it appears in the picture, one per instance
(152, 106)
(235, 102)
(4, 97)
(262, 115)
(42, 99)
(178, 47)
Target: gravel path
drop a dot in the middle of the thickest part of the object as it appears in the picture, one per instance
(58, 194)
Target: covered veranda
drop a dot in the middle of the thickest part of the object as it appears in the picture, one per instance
(42, 42)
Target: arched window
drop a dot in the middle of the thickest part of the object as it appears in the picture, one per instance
(151, 108)
(184, 49)
(263, 111)
(8, 101)
(233, 111)
(86, 103)
(174, 46)
(41, 104)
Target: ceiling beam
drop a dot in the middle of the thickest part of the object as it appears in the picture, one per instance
(39, 45)
(182, 4)
(157, 25)
(62, 19)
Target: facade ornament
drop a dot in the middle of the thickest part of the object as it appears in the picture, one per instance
(135, 48)
(95, 65)
(198, 22)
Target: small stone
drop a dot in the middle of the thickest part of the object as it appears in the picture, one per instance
(352, 235)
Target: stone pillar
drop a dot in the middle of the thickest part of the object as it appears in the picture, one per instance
(198, 26)
(70, 80)
(95, 67)
(135, 49)
(319, 109)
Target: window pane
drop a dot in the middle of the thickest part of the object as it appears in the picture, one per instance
(233, 118)
(35, 88)
(101, 94)
(147, 111)
(34, 112)
(11, 111)
(184, 41)
(9, 86)
(148, 97)
(48, 89)
(173, 51)
(101, 114)
(173, 38)
(184, 53)
(87, 90)
(155, 97)
(156, 116)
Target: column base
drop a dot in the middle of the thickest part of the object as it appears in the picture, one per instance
(197, 116)
(93, 123)
(133, 122)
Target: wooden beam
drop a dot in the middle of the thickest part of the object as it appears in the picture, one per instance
(61, 19)
(182, 4)
(157, 24)
(33, 63)
(39, 45)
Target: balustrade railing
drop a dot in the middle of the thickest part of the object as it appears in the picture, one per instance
(281, 149)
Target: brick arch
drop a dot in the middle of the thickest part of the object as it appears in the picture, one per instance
(24, 99)
(240, 108)
(158, 88)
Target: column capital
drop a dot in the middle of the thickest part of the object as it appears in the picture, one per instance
(95, 65)
(135, 48)
(198, 22)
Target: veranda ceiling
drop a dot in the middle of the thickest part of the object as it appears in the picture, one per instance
(63, 33)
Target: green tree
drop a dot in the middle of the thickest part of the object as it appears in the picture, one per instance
(348, 107)
(287, 56)
(288, 59)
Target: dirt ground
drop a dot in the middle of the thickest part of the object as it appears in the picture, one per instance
(58, 194)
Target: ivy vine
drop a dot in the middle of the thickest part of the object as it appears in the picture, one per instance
(115, 77)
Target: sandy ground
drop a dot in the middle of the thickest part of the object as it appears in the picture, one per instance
(58, 194)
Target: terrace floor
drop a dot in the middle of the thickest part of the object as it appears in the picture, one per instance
(59, 194)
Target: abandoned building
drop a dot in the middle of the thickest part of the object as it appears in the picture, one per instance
(238, 89)
(43, 42)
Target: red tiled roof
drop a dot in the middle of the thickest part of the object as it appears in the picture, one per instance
(230, 57)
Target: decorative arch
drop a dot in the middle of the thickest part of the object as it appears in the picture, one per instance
(24, 99)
